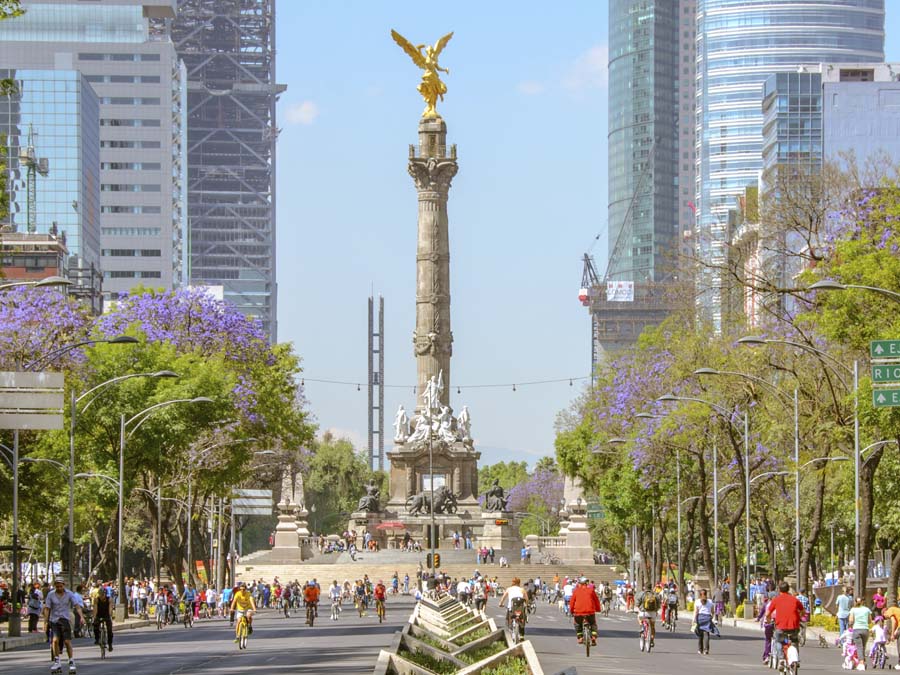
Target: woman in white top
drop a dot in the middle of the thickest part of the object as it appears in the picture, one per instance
(513, 593)
(703, 620)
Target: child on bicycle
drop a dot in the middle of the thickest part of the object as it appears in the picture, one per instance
(584, 606)
(879, 636)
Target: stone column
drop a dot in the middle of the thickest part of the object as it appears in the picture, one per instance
(432, 171)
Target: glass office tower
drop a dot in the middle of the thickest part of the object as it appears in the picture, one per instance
(643, 149)
(59, 110)
(739, 45)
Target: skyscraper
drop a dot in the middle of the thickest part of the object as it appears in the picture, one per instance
(139, 83)
(739, 45)
(650, 79)
(228, 47)
(651, 165)
(58, 112)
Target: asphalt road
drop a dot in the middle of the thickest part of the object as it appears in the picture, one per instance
(737, 651)
(278, 646)
(349, 646)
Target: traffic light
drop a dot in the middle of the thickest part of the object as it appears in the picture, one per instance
(428, 561)
(437, 560)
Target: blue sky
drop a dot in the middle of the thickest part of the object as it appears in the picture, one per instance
(527, 108)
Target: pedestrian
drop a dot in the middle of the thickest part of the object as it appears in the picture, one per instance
(491, 554)
(764, 617)
(703, 624)
(844, 605)
(35, 604)
(859, 619)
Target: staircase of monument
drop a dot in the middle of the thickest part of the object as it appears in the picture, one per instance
(382, 565)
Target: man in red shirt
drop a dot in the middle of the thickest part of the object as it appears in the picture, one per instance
(584, 606)
(787, 611)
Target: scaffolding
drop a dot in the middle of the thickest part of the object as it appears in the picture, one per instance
(228, 47)
(376, 385)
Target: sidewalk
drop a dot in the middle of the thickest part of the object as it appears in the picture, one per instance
(10, 643)
(813, 633)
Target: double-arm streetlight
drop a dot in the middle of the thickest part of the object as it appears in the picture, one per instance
(73, 412)
(15, 625)
(755, 340)
(137, 420)
(726, 415)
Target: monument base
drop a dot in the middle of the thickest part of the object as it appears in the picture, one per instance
(499, 532)
(578, 541)
(366, 521)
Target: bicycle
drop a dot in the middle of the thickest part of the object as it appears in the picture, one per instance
(548, 558)
(243, 631)
(379, 609)
(670, 621)
(335, 609)
(188, 617)
(587, 626)
(785, 658)
(160, 618)
(879, 656)
(646, 643)
(104, 639)
(604, 607)
(310, 614)
(286, 606)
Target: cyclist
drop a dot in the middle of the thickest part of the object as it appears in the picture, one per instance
(243, 604)
(584, 606)
(188, 597)
(648, 606)
(672, 603)
(359, 592)
(102, 614)
(311, 597)
(336, 594)
(286, 601)
(607, 597)
(380, 596)
(512, 594)
(787, 611)
(58, 607)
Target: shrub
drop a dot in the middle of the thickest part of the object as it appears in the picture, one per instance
(826, 621)
(429, 662)
(471, 637)
(483, 652)
(509, 667)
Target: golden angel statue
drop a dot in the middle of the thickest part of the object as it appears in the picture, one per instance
(431, 87)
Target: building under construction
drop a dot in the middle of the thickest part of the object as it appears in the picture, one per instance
(228, 47)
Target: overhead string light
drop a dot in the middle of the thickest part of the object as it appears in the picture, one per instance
(460, 387)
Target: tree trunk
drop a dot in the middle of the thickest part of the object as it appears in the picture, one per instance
(808, 546)
(867, 504)
(769, 539)
(732, 566)
(895, 579)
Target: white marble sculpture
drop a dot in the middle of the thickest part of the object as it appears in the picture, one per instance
(464, 425)
(420, 433)
(445, 426)
(401, 425)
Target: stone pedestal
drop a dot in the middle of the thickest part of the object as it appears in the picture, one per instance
(287, 544)
(301, 526)
(365, 521)
(578, 541)
(503, 536)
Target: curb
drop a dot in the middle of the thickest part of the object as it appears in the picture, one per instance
(811, 631)
(10, 643)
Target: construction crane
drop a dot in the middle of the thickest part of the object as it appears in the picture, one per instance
(590, 280)
(35, 165)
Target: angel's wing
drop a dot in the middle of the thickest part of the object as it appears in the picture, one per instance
(407, 46)
(440, 44)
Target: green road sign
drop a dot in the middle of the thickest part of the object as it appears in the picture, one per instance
(884, 349)
(886, 398)
(886, 372)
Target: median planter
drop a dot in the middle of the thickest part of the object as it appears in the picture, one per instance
(446, 638)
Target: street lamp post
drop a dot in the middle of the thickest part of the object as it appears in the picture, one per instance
(15, 623)
(139, 418)
(73, 410)
(858, 586)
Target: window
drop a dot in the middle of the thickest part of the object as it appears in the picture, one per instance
(130, 187)
(130, 231)
(128, 123)
(130, 166)
(130, 144)
(119, 252)
(130, 209)
(151, 275)
(120, 274)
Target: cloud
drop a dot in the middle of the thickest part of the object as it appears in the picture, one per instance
(589, 70)
(302, 113)
(530, 88)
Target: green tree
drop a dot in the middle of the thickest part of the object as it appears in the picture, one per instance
(509, 474)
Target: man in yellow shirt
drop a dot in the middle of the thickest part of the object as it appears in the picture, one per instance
(242, 604)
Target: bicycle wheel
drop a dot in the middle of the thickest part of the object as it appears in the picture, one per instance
(103, 639)
(587, 640)
(159, 620)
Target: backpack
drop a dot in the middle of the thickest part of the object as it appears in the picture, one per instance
(651, 602)
(607, 592)
(673, 598)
